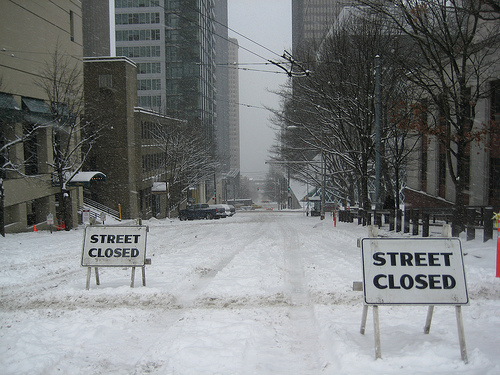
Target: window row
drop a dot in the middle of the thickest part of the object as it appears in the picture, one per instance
(143, 51)
(149, 129)
(149, 101)
(149, 84)
(152, 162)
(148, 68)
(132, 35)
(136, 3)
(136, 18)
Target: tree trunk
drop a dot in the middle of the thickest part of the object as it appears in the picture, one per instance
(2, 209)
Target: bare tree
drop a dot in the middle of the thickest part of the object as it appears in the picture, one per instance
(333, 110)
(189, 158)
(457, 42)
(72, 138)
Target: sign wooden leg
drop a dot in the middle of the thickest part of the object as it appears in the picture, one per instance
(427, 327)
(97, 281)
(143, 276)
(133, 277)
(89, 270)
(378, 351)
(461, 334)
(363, 319)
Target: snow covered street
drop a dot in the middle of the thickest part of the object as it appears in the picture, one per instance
(258, 293)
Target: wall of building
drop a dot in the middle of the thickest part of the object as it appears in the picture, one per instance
(30, 33)
(111, 93)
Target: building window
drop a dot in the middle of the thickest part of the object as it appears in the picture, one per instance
(137, 18)
(494, 146)
(148, 68)
(148, 84)
(30, 152)
(137, 35)
(143, 51)
(149, 101)
(72, 25)
(105, 81)
(423, 163)
(136, 3)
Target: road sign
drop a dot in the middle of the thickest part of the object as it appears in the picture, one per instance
(426, 271)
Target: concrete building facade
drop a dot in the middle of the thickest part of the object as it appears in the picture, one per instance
(47, 27)
(126, 151)
(172, 43)
(312, 19)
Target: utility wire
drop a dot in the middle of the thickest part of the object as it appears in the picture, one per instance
(287, 56)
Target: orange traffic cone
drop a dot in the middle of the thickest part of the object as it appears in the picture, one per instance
(34, 228)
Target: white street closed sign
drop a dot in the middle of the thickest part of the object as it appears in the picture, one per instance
(426, 271)
(114, 246)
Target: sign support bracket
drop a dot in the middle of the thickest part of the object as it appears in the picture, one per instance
(376, 325)
(132, 278)
(430, 311)
(427, 327)
(89, 272)
(461, 334)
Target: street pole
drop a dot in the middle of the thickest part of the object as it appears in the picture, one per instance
(377, 131)
(323, 167)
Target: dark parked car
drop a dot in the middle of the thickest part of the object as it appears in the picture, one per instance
(200, 211)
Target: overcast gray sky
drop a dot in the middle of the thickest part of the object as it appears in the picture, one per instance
(267, 22)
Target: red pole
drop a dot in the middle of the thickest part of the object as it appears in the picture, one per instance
(498, 247)
(335, 218)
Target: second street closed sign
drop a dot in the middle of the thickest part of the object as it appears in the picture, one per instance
(413, 271)
(114, 246)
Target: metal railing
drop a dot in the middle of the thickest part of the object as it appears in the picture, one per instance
(101, 208)
(419, 220)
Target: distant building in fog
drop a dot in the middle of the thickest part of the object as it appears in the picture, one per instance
(98, 28)
(312, 19)
(234, 106)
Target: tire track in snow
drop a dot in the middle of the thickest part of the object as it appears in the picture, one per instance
(187, 300)
(302, 315)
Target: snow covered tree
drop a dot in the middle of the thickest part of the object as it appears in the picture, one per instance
(72, 138)
(189, 157)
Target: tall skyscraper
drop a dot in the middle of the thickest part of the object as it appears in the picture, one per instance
(222, 83)
(311, 20)
(98, 28)
(172, 43)
(234, 112)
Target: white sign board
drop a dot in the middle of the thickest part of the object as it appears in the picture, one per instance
(114, 246)
(86, 216)
(404, 271)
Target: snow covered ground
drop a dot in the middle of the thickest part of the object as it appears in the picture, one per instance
(258, 293)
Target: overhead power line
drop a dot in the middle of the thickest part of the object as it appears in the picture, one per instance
(291, 71)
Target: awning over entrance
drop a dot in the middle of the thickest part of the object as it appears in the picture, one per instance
(159, 188)
(84, 178)
(36, 106)
(9, 110)
(7, 102)
(36, 111)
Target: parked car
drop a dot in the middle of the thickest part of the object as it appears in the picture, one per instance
(220, 211)
(200, 211)
(230, 210)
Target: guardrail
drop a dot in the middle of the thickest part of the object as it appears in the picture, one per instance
(102, 208)
(420, 220)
